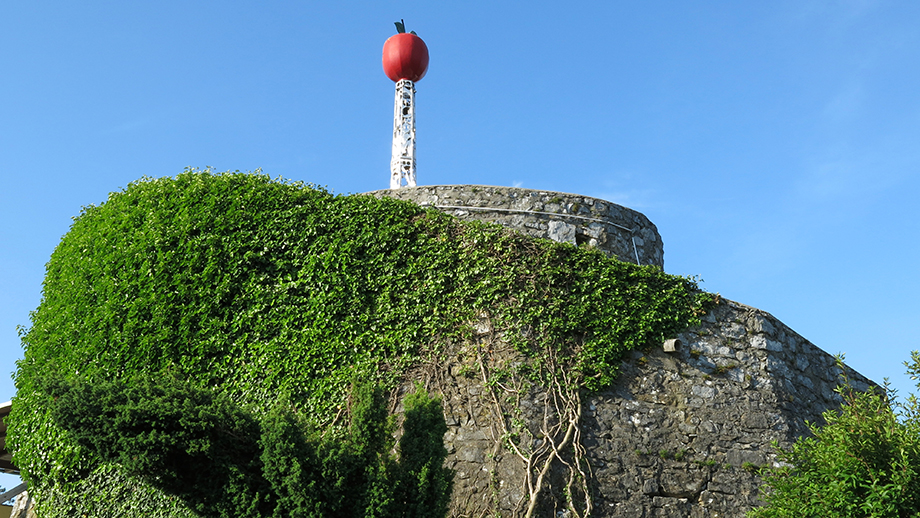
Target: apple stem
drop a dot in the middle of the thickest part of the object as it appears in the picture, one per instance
(401, 27)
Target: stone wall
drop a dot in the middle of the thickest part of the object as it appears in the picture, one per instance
(681, 434)
(23, 506)
(569, 218)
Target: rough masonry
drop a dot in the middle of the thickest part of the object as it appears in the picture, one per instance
(681, 434)
(567, 218)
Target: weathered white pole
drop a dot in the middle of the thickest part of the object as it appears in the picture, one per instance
(402, 163)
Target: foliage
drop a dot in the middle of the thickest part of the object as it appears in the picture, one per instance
(865, 462)
(179, 438)
(425, 484)
(268, 291)
(214, 456)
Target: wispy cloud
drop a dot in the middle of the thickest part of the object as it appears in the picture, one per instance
(844, 172)
(633, 199)
(127, 126)
(841, 14)
(845, 105)
(830, 179)
(620, 188)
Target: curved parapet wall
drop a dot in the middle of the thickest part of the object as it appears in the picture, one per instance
(569, 218)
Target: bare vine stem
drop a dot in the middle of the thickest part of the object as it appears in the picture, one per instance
(562, 411)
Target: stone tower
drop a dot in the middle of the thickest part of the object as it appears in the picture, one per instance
(684, 430)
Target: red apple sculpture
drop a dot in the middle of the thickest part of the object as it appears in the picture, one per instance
(405, 55)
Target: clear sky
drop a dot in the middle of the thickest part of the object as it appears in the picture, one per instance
(776, 145)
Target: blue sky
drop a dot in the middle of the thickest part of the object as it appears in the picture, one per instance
(774, 144)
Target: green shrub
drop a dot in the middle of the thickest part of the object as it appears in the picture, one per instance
(200, 447)
(865, 462)
(425, 484)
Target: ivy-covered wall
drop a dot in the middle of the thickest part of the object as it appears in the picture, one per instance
(270, 291)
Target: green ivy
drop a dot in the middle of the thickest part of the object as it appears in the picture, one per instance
(266, 291)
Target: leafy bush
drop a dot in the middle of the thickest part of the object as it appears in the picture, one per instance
(200, 447)
(865, 462)
(424, 485)
(267, 291)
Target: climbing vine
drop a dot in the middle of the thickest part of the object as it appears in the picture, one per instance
(265, 290)
(551, 438)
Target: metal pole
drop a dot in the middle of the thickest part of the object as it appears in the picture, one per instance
(402, 165)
